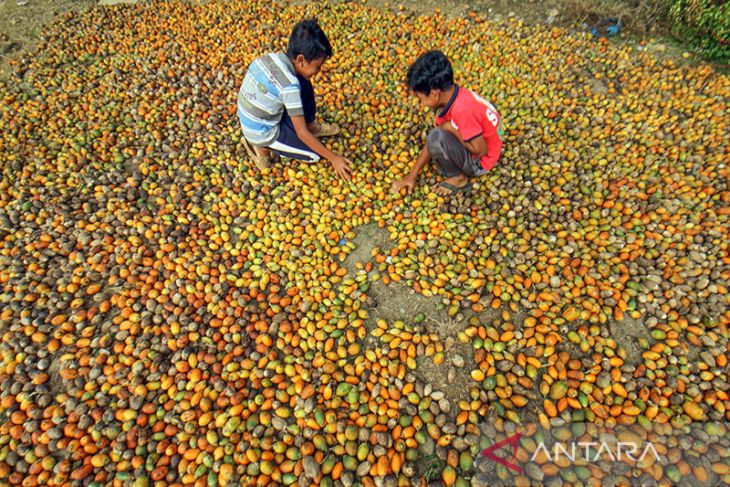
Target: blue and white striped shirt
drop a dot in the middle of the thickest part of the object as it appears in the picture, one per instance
(270, 86)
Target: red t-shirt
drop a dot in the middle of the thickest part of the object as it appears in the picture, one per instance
(473, 116)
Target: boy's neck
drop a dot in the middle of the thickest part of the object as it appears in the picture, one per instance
(446, 97)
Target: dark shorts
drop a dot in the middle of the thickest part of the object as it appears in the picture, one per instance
(288, 143)
(450, 156)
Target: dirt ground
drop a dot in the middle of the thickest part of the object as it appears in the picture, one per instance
(22, 23)
(397, 301)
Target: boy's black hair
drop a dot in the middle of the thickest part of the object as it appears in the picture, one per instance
(431, 71)
(308, 39)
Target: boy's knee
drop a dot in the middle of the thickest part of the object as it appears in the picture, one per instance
(435, 142)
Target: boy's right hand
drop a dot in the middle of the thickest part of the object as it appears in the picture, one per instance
(342, 166)
(406, 182)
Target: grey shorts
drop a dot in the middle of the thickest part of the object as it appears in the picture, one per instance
(450, 156)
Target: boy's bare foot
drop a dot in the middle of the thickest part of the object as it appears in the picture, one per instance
(323, 129)
(454, 184)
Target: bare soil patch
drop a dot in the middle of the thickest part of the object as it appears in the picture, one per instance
(23, 22)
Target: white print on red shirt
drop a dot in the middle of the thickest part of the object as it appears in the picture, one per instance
(492, 115)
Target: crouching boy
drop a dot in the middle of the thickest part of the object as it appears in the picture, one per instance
(466, 141)
(276, 105)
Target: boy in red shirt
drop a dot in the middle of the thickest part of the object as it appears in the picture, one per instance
(465, 142)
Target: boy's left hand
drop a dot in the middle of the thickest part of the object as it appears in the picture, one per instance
(342, 166)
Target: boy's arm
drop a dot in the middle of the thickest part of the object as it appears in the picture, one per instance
(409, 180)
(477, 146)
(340, 163)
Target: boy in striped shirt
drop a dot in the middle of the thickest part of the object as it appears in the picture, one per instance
(466, 141)
(276, 103)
